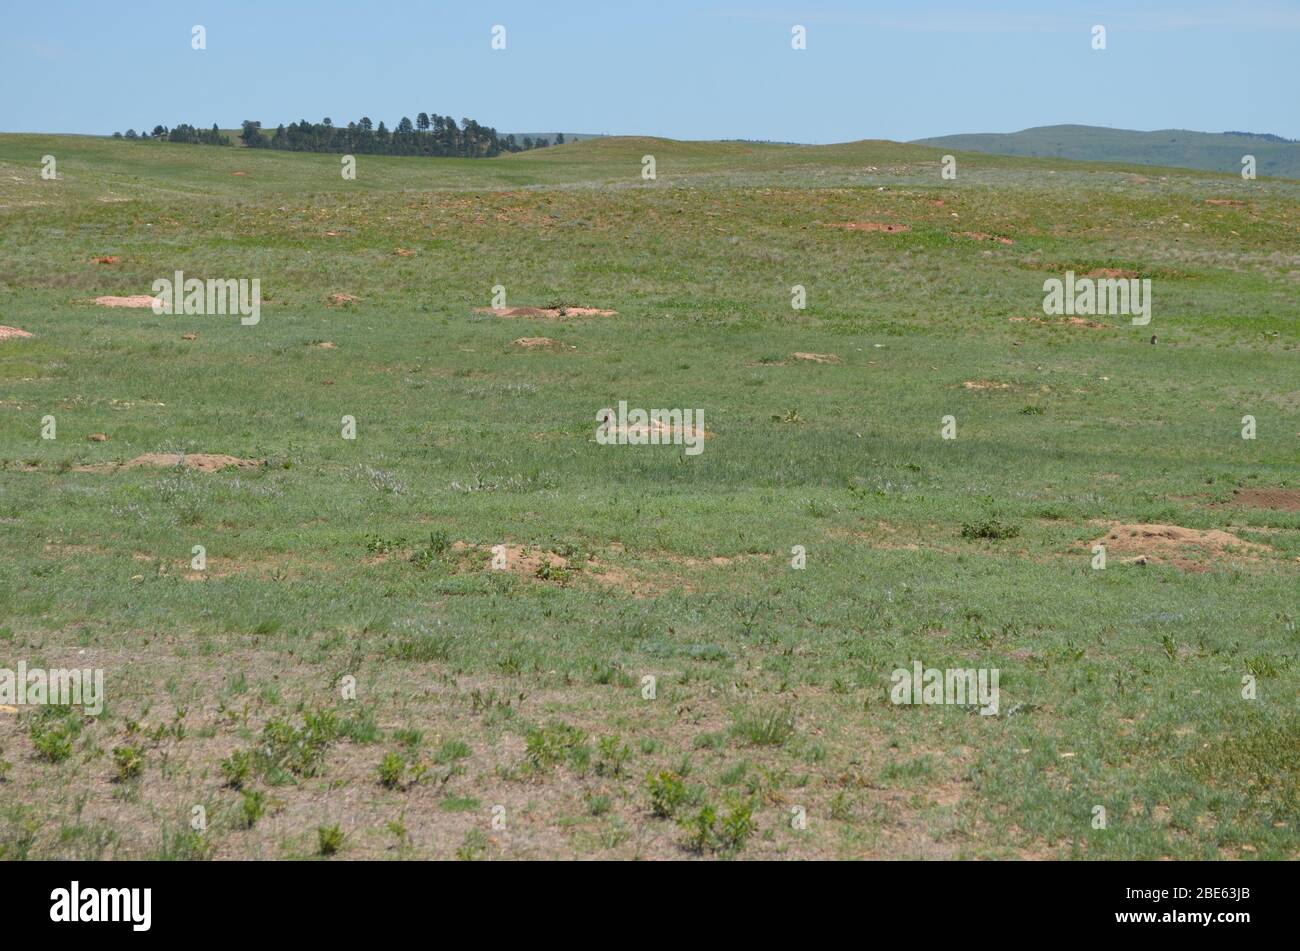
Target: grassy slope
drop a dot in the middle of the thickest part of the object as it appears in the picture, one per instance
(1209, 151)
(1125, 683)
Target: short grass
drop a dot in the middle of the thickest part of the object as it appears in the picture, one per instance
(348, 678)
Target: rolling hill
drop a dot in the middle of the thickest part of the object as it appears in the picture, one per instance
(1210, 151)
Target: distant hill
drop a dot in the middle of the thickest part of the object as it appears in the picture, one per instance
(1211, 151)
(550, 136)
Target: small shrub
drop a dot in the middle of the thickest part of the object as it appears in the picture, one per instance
(129, 761)
(989, 528)
(773, 728)
(667, 793)
(392, 769)
(252, 806)
(329, 840)
(556, 743)
(237, 768)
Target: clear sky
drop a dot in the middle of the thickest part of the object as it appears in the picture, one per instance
(896, 69)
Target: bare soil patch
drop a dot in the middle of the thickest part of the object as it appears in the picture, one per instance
(136, 300)
(662, 432)
(541, 343)
(201, 461)
(986, 385)
(342, 299)
(1182, 547)
(817, 357)
(882, 226)
(1065, 322)
(12, 333)
(1287, 500)
(108, 259)
(404, 253)
(550, 313)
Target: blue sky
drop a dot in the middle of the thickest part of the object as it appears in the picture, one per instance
(897, 70)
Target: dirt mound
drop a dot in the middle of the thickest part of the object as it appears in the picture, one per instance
(1110, 272)
(541, 343)
(984, 236)
(551, 313)
(1066, 322)
(203, 462)
(1287, 500)
(664, 433)
(138, 300)
(1175, 544)
(817, 357)
(12, 333)
(884, 226)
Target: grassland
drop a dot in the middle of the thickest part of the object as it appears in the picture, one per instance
(522, 689)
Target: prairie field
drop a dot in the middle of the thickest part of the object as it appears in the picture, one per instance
(463, 627)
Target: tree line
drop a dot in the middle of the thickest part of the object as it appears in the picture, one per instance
(430, 135)
(182, 133)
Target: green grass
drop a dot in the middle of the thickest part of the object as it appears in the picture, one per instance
(364, 563)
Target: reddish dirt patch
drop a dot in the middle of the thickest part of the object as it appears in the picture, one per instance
(203, 462)
(1110, 272)
(108, 259)
(1183, 547)
(984, 236)
(817, 357)
(551, 313)
(137, 300)
(342, 299)
(882, 226)
(541, 343)
(1286, 500)
(1224, 201)
(12, 333)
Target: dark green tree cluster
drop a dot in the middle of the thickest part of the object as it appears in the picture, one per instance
(182, 133)
(429, 134)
